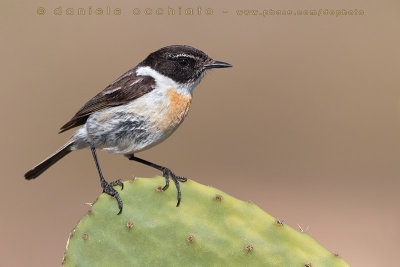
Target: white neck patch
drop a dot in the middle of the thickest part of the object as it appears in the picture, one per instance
(165, 82)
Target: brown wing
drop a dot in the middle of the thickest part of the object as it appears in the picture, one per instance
(126, 88)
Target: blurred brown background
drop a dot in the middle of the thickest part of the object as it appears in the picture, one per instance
(306, 124)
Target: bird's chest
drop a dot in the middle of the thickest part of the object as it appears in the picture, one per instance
(163, 111)
(177, 108)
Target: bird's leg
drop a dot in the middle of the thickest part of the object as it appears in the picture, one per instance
(108, 187)
(167, 173)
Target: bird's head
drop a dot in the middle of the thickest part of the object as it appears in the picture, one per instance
(183, 64)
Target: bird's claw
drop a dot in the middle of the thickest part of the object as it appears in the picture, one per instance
(167, 174)
(118, 182)
(109, 189)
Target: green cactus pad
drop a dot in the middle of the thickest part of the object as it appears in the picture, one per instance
(209, 228)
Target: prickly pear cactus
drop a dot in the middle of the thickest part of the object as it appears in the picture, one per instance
(209, 228)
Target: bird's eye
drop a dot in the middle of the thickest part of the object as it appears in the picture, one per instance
(183, 61)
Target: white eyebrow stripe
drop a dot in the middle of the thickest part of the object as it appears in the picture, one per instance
(111, 91)
(184, 55)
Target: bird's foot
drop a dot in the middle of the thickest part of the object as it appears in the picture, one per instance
(109, 189)
(167, 173)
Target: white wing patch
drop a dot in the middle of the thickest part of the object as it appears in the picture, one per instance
(111, 91)
(138, 80)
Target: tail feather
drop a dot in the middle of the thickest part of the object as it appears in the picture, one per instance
(45, 164)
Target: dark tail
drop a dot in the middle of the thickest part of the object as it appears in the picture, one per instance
(45, 164)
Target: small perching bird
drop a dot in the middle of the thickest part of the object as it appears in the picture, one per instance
(137, 111)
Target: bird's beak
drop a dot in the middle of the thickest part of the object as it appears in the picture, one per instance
(216, 64)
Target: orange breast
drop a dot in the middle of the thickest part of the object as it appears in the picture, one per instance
(177, 110)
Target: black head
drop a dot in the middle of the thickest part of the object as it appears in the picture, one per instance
(183, 64)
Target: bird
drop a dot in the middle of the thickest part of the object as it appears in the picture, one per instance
(137, 111)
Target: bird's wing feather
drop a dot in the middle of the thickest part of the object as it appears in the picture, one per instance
(125, 89)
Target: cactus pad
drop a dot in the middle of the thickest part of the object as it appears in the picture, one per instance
(210, 228)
